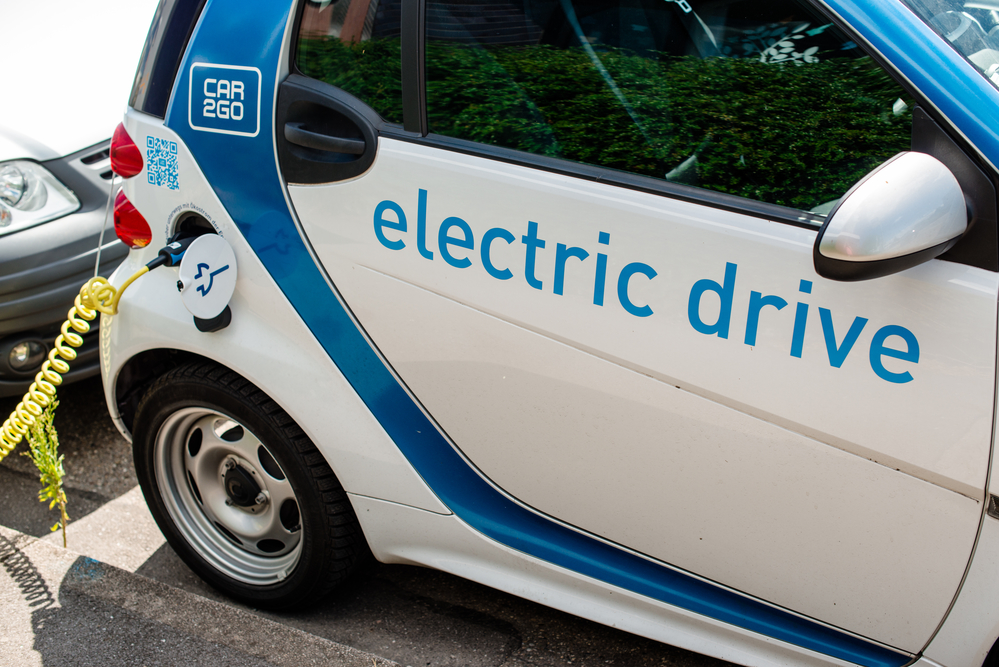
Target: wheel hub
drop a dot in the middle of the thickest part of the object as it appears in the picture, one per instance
(240, 487)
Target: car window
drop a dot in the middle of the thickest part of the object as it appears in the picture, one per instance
(354, 45)
(971, 27)
(768, 101)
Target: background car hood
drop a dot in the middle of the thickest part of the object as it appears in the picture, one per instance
(70, 66)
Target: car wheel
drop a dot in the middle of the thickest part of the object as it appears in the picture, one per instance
(240, 492)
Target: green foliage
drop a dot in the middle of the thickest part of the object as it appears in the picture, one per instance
(791, 134)
(43, 441)
(475, 98)
(796, 135)
(369, 70)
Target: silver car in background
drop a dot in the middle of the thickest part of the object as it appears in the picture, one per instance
(55, 172)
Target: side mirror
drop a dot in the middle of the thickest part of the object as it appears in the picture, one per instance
(906, 212)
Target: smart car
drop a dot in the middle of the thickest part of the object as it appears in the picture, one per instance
(55, 172)
(677, 315)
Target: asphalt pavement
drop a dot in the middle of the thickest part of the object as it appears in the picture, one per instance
(61, 608)
(120, 596)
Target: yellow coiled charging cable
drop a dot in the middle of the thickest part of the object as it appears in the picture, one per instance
(97, 295)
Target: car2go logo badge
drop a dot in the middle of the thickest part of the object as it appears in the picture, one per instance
(224, 99)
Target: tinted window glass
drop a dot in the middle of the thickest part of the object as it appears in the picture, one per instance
(768, 101)
(169, 33)
(354, 45)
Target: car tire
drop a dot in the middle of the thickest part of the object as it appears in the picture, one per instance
(240, 492)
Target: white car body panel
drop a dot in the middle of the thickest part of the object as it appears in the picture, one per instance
(267, 341)
(713, 465)
(906, 436)
(965, 638)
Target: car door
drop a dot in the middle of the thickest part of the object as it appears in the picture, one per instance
(576, 239)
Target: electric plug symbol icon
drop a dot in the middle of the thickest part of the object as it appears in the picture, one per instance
(211, 277)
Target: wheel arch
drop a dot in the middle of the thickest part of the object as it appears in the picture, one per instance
(140, 371)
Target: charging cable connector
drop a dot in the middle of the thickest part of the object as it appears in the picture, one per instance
(172, 253)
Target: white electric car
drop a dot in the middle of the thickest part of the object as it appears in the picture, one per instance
(678, 315)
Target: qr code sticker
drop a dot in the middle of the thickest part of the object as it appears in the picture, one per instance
(161, 163)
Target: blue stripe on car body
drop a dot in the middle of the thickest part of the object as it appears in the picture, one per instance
(250, 33)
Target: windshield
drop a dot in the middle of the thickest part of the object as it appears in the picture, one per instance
(971, 26)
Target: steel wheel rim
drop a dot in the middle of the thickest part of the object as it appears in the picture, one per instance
(193, 484)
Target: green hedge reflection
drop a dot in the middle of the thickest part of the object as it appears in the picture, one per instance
(791, 134)
(369, 70)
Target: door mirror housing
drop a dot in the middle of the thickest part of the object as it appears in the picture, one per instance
(906, 212)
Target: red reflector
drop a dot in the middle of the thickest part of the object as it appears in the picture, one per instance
(129, 225)
(126, 159)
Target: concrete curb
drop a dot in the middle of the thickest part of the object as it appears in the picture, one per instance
(59, 606)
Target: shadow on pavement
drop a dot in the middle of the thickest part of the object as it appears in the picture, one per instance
(83, 630)
(98, 462)
(419, 617)
(372, 612)
(98, 458)
(21, 510)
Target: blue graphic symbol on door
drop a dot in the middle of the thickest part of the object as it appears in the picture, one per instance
(211, 277)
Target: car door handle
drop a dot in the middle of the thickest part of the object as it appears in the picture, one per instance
(298, 135)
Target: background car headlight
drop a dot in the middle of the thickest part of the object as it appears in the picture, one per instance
(31, 195)
(12, 184)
